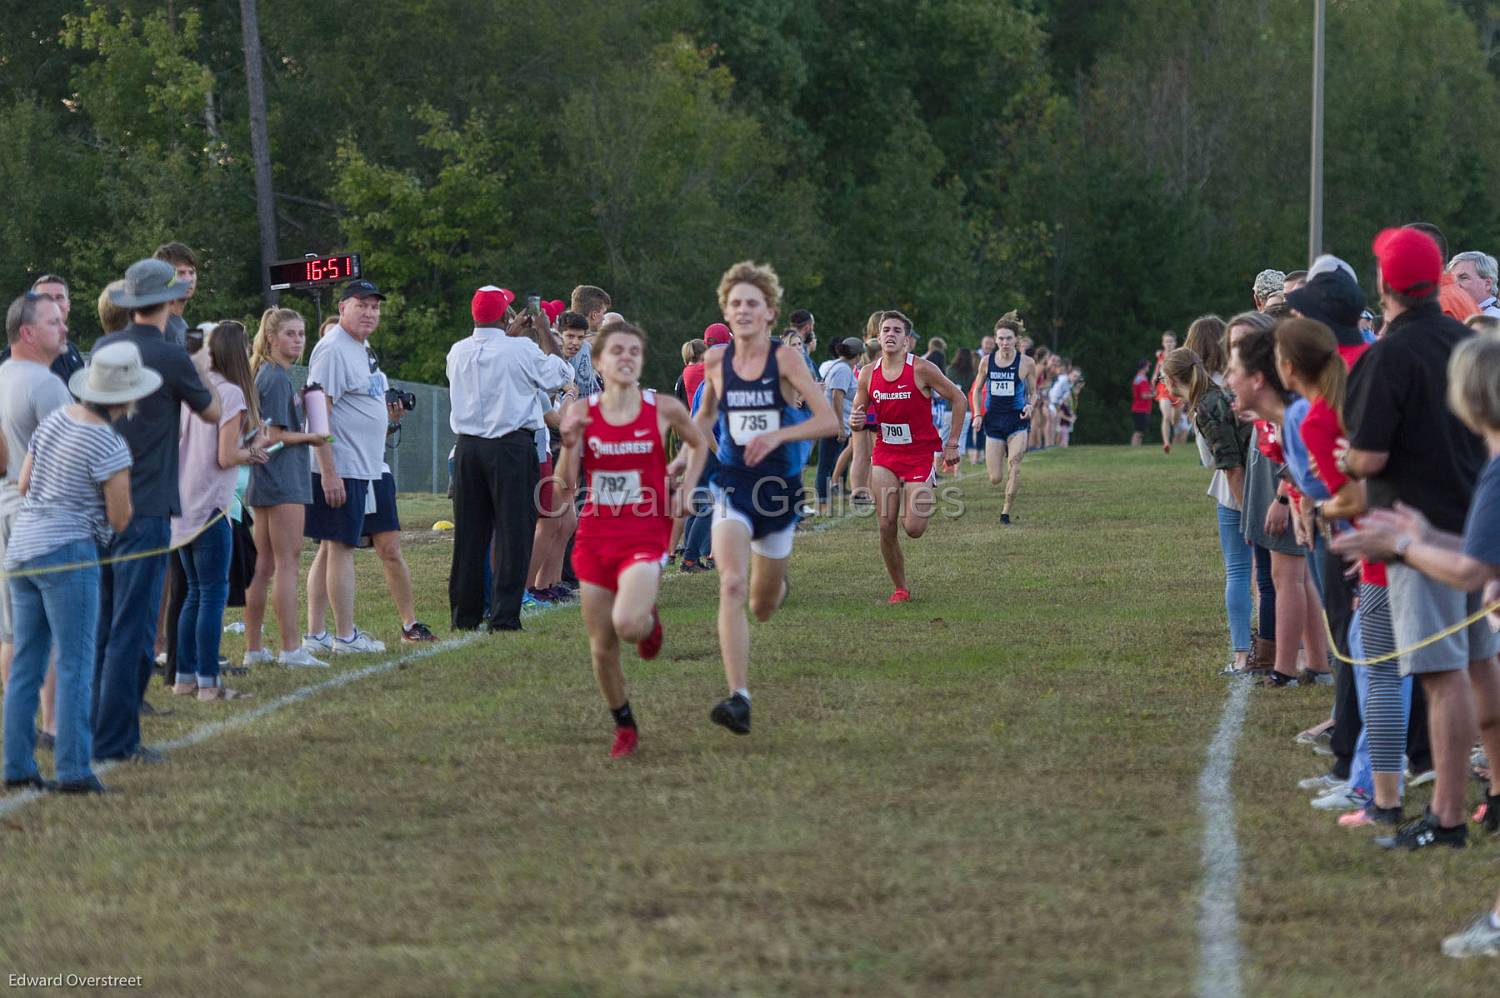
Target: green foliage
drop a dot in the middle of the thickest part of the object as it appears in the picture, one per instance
(1111, 170)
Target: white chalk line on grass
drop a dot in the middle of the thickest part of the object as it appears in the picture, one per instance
(1218, 907)
(207, 731)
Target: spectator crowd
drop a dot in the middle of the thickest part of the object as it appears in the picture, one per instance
(1355, 457)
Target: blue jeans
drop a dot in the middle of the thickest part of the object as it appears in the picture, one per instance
(65, 606)
(829, 449)
(697, 536)
(129, 598)
(1236, 578)
(205, 562)
(1265, 618)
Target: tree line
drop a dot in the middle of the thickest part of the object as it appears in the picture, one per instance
(1109, 170)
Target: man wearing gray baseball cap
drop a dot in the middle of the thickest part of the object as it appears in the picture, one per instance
(130, 585)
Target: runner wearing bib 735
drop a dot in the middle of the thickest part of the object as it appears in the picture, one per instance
(898, 390)
(746, 385)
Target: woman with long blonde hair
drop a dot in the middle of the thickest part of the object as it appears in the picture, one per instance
(278, 489)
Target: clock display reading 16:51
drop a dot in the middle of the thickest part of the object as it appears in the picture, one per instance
(313, 271)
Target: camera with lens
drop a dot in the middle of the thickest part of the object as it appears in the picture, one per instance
(406, 400)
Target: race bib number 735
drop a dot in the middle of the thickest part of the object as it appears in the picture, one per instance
(745, 426)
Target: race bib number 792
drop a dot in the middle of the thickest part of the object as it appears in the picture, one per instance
(616, 488)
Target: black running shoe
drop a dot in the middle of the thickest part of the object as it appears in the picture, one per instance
(733, 713)
(1005, 518)
(1423, 832)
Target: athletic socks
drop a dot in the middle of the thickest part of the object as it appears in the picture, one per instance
(742, 692)
(622, 715)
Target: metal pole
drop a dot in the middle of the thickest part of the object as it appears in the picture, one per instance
(1315, 208)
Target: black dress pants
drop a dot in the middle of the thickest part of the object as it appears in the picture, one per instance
(494, 496)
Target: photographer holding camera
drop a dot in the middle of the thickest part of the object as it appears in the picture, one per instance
(354, 493)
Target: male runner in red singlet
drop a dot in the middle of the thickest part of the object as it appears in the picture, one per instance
(619, 438)
(898, 390)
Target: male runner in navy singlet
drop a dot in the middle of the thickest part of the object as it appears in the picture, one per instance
(746, 387)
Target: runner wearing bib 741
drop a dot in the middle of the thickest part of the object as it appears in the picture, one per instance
(615, 442)
(746, 388)
(898, 390)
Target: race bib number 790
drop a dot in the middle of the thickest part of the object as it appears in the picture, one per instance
(745, 426)
(895, 433)
(616, 488)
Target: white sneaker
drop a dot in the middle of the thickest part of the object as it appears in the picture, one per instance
(1320, 784)
(314, 643)
(300, 659)
(1420, 779)
(1342, 798)
(361, 643)
(260, 657)
(1479, 938)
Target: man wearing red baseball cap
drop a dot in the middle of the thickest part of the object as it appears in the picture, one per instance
(494, 377)
(1412, 450)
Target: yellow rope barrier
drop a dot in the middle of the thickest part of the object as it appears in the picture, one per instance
(134, 556)
(1429, 640)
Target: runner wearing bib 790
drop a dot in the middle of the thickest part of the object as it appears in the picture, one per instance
(746, 387)
(898, 390)
(615, 442)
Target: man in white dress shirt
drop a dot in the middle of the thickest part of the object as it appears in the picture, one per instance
(494, 377)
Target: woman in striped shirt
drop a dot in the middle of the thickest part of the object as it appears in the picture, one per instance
(76, 487)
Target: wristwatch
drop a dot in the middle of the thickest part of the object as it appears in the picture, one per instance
(1284, 500)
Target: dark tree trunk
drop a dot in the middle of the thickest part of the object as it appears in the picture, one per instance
(260, 146)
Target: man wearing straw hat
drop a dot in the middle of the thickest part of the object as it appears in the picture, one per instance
(130, 584)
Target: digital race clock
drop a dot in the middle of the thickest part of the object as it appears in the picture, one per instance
(313, 271)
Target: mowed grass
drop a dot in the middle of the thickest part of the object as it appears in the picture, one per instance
(989, 791)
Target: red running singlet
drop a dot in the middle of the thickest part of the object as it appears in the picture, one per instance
(908, 439)
(625, 473)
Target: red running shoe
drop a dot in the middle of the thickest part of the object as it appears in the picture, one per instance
(650, 646)
(626, 740)
(900, 596)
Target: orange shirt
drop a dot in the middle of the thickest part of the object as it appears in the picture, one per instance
(1456, 302)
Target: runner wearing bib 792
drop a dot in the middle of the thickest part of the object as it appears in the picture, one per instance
(898, 390)
(615, 442)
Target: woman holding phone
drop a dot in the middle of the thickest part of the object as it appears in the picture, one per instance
(279, 489)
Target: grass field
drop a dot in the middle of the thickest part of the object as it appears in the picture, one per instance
(990, 791)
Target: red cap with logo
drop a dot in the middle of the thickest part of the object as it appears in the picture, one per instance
(1410, 262)
(716, 334)
(489, 304)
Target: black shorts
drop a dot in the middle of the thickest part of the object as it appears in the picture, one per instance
(1141, 421)
(349, 523)
(1004, 425)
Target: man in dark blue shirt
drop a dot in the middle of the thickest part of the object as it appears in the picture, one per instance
(130, 590)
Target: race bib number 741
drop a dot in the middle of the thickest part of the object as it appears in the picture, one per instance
(748, 424)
